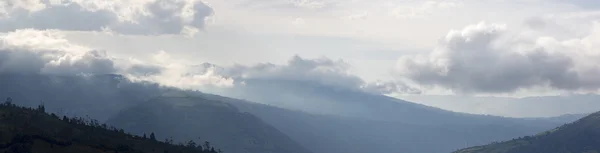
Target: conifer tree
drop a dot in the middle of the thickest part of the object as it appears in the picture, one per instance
(152, 136)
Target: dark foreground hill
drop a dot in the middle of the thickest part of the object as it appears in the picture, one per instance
(186, 118)
(25, 130)
(582, 136)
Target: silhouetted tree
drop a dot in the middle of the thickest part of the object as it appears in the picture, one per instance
(41, 108)
(206, 145)
(169, 140)
(152, 136)
(8, 101)
(191, 144)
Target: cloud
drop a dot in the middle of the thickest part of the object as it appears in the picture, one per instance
(586, 4)
(357, 16)
(47, 52)
(33, 51)
(322, 70)
(29, 51)
(563, 26)
(423, 9)
(136, 17)
(310, 4)
(288, 4)
(165, 70)
(144, 70)
(389, 87)
(9, 6)
(487, 58)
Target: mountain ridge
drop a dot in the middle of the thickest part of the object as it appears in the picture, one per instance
(582, 136)
(382, 122)
(184, 117)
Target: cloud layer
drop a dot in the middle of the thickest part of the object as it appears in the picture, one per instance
(165, 70)
(488, 58)
(139, 17)
(322, 70)
(47, 52)
(30, 51)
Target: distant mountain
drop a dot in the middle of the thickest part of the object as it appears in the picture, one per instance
(96, 96)
(182, 118)
(321, 118)
(536, 106)
(314, 98)
(347, 134)
(25, 130)
(582, 136)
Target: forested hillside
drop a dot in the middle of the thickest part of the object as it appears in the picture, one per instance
(27, 130)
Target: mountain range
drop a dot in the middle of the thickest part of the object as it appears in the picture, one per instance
(307, 118)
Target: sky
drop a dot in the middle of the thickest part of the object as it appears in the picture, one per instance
(416, 50)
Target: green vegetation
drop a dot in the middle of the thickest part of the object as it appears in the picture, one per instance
(582, 136)
(28, 130)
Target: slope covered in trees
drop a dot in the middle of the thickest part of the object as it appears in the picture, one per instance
(27, 130)
(582, 136)
(186, 118)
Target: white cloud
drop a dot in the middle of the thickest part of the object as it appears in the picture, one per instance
(422, 10)
(310, 4)
(357, 16)
(564, 25)
(405, 24)
(10, 6)
(140, 17)
(389, 87)
(323, 70)
(47, 52)
(487, 58)
(176, 73)
(584, 4)
(285, 4)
